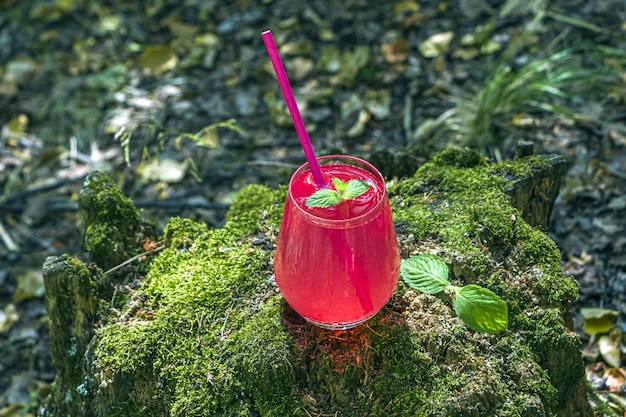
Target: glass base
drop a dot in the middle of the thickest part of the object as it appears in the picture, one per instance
(339, 326)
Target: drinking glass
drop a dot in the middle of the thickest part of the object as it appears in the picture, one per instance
(337, 267)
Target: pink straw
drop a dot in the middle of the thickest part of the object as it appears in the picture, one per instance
(298, 123)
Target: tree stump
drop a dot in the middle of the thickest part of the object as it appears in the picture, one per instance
(200, 329)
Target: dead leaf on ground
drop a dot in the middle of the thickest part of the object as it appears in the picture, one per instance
(8, 317)
(352, 62)
(610, 349)
(18, 125)
(330, 60)
(480, 35)
(13, 410)
(615, 379)
(18, 71)
(396, 51)
(436, 44)
(165, 170)
(29, 285)
(408, 6)
(414, 19)
(51, 11)
(597, 320)
(466, 54)
(378, 103)
(299, 67)
(296, 49)
(157, 59)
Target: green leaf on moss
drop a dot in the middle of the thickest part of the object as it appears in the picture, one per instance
(425, 273)
(481, 310)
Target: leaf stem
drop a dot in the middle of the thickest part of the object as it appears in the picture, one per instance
(452, 289)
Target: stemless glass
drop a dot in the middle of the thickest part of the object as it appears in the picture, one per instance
(337, 267)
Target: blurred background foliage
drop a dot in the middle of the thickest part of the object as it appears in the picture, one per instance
(79, 76)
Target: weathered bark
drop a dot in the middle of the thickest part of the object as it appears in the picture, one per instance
(208, 334)
(112, 232)
(534, 194)
(71, 305)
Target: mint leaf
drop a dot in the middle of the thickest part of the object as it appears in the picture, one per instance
(323, 198)
(353, 189)
(339, 185)
(425, 273)
(344, 191)
(481, 310)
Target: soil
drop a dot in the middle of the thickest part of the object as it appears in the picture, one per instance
(122, 87)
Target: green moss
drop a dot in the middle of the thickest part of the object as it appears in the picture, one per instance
(520, 168)
(182, 232)
(372, 370)
(256, 208)
(263, 355)
(110, 223)
(103, 202)
(210, 321)
(535, 249)
(212, 336)
(461, 200)
(447, 199)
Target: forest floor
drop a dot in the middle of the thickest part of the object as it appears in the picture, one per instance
(177, 101)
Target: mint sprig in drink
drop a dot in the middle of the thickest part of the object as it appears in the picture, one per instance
(337, 266)
(337, 260)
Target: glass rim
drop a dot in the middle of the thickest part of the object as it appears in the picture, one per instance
(352, 221)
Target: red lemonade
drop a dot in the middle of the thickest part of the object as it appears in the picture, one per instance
(337, 266)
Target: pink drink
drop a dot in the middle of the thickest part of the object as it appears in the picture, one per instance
(337, 266)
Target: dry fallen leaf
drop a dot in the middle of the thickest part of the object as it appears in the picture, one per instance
(299, 67)
(615, 379)
(378, 103)
(18, 71)
(13, 410)
(51, 11)
(408, 6)
(8, 317)
(296, 49)
(17, 126)
(158, 59)
(396, 51)
(166, 170)
(29, 285)
(436, 44)
(597, 320)
(466, 54)
(609, 346)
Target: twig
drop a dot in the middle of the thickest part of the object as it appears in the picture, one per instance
(373, 331)
(43, 188)
(7, 240)
(126, 262)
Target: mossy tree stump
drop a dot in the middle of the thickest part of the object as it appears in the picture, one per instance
(206, 332)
